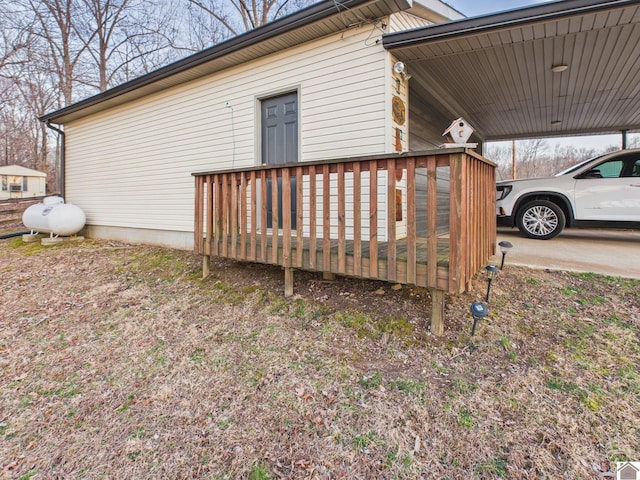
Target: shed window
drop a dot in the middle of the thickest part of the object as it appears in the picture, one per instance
(4, 184)
(17, 184)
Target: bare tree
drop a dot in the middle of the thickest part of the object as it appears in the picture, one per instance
(124, 39)
(250, 13)
(56, 21)
(199, 29)
(529, 156)
(533, 158)
(499, 153)
(153, 32)
(15, 128)
(54, 51)
(7, 123)
(15, 39)
(36, 98)
(255, 13)
(98, 31)
(218, 12)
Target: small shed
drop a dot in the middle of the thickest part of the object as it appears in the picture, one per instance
(17, 181)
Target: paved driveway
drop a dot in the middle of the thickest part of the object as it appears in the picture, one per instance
(609, 252)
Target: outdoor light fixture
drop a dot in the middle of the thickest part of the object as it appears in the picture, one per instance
(492, 271)
(559, 68)
(479, 310)
(399, 68)
(504, 248)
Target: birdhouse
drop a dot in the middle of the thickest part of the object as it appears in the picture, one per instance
(459, 133)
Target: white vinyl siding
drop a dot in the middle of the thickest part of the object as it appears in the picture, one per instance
(131, 166)
(405, 21)
(333, 206)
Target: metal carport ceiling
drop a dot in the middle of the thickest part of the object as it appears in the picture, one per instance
(496, 70)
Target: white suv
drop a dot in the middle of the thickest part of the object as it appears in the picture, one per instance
(600, 192)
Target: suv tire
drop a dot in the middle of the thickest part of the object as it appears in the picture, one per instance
(540, 219)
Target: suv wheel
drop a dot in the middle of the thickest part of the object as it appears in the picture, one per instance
(540, 219)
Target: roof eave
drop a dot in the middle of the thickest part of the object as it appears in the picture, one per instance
(495, 21)
(297, 20)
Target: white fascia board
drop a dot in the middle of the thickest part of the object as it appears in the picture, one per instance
(435, 11)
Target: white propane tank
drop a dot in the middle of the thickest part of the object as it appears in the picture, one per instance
(54, 216)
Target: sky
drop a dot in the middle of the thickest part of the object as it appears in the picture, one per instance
(481, 7)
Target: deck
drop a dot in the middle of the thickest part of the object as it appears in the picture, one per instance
(425, 219)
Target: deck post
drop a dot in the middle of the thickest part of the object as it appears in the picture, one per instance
(288, 282)
(437, 312)
(206, 271)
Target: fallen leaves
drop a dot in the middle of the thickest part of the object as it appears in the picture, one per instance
(302, 393)
(195, 376)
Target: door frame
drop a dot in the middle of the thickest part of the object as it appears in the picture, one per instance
(258, 99)
(258, 115)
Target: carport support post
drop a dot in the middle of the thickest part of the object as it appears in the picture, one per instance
(206, 271)
(288, 282)
(437, 312)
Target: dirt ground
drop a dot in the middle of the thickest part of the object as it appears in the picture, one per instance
(118, 361)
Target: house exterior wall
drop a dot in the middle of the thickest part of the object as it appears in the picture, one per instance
(399, 132)
(130, 167)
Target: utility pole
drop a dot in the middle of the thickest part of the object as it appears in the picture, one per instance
(513, 159)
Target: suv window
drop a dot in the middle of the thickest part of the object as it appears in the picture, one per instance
(616, 168)
(610, 169)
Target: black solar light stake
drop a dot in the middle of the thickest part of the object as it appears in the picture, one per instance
(492, 271)
(504, 248)
(479, 310)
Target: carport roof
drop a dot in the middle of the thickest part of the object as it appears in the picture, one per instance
(496, 70)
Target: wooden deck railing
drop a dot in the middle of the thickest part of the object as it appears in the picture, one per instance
(424, 219)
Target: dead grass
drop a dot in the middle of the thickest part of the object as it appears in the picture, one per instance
(118, 361)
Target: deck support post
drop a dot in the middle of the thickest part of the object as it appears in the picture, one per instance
(206, 271)
(328, 276)
(437, 312)
(288, 282)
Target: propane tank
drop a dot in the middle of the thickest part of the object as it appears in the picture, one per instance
(54, 216)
